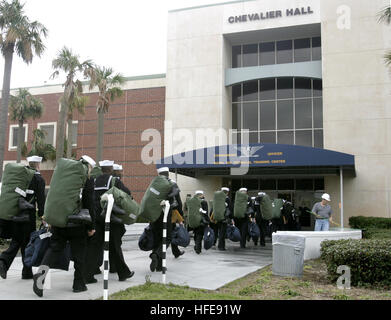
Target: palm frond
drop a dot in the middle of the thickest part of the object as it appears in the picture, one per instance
(385, 15)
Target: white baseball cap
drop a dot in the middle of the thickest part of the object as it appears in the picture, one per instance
(89, 160)
(106, 163)
(326, 197)
(34, 159)
(163, 169)
(117, 167)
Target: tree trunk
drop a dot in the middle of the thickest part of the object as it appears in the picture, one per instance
(61, 130)
(70, 132)
(8, 56)
(20, 142)
(99, 145)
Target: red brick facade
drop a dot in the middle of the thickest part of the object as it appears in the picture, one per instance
(136, 111)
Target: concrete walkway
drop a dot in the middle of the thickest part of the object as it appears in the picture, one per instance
(210, 270)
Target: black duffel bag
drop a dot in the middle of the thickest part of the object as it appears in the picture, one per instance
(209, 238)
(180, 236)
(233, 233)
(253, 231)
(146, 240)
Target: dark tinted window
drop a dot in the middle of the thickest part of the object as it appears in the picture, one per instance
(268, 137)
(237, 93)
(250, 91)
(251, 184)
(250, 55)
(318, 139)
(317, 88)
(269, 184)
(284, 88)
(319, 184)
(268, 115)
(302, 88)
(304, 184)
(302, 50)
(304, 138)
(267, 53)
(316, 48)
(250, 116)
(303, 113)
(236, 119)
(285, 114)
(284, 51)
(236, 57)
(318, 113)
(268, 89)
(285, 137)
(286, 184)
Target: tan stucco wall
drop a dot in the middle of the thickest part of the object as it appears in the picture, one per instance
(356, 100)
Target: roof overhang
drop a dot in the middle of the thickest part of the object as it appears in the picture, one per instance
(259, 160)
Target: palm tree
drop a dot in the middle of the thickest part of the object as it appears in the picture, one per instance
(108, 85)
(22, 107)
(79, 103)
(69, 63)
(18, 34)
(385, 17)
(40, 148)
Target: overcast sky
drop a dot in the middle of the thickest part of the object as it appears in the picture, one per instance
(127, 35)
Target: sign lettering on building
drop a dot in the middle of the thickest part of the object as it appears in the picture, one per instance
(271, 15)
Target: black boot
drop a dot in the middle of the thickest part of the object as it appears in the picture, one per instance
(37, 291)
(154, 261)
(3, 270)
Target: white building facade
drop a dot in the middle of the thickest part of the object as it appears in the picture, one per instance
(293, 72)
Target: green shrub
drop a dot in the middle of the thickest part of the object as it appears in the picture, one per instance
(369, 222)
(373, 233)
(369, 260)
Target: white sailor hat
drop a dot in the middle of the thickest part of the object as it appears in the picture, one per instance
(117, 167)
(261, 193)
(34, 159)
(163, 169)
(89, 160)
(242, 189)
(225, 189)
(199, 192)
(106, 163)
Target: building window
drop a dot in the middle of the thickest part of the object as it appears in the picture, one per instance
(277, 52)
(282, 110)
(73, 138)
(13, 136)
(49, 128)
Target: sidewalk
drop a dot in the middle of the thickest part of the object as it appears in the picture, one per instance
(210, 270)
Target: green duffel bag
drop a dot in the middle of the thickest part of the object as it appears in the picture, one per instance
(219, 206)
(64, 199)
(16, 180)
(158, 190)
(96, 172)
(240, 206)
(266, 206)
(277, 206)
(125, 202)
(195, 216)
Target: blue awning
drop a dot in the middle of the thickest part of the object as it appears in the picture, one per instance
(257, 156)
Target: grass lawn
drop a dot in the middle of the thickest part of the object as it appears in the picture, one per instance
(261, 285)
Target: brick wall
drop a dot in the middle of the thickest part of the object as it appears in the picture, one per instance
(136, 111)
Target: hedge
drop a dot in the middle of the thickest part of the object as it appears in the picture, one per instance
(373, 233)
(369, 222)
(369, 260)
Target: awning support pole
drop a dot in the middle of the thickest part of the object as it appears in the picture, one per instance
(176, 174)
(341, 190)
